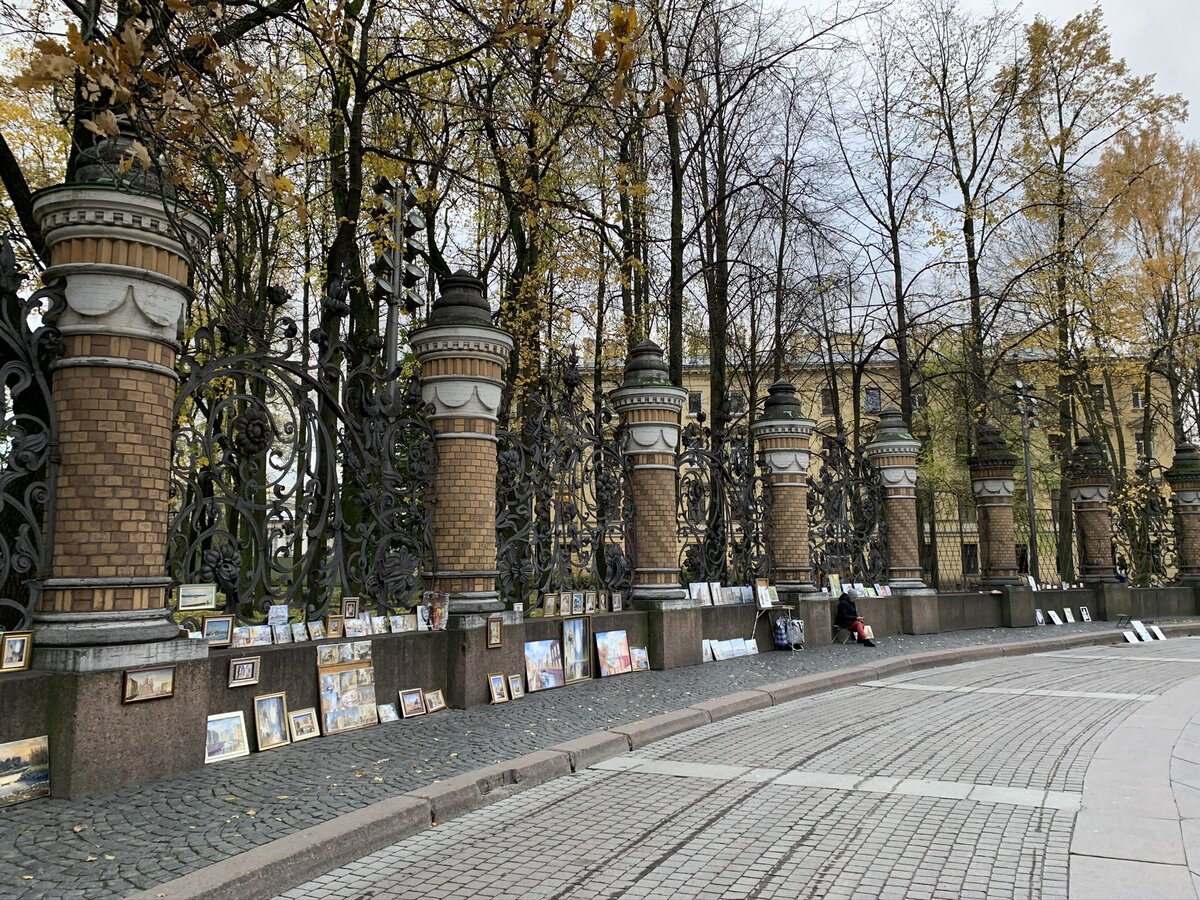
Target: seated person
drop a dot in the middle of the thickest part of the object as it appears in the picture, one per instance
(847, 617)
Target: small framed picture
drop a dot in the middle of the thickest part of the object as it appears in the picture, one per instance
(271, 721)
(218, 631)
(316, 631)
(244, 671)
(589, 602)
(379, 624)
(387, 713)
(434, 701)
(550, 606)
(197, 596)
(1039, 617)
(618, 603)
(303, 724)
(15, 655)
(576, 604)
(1084, 614)
(299, 631)
(148, 684)
(350, 607)
(602, 601)
(498, 687)
(412, 703)
(226, 738)
(495, 631)
(641, 659)
(397, 624)
(242, 636)
(335, 626)
(516, 686)
(282, 633)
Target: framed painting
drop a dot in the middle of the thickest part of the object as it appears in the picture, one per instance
(303, 724)
(15, 647)
(412, 703)
(543, 665)
(516, 687)
(576, 649)
(156, 683)
(498, 687)
(271, 721)
(244, 671)
(435, 701)
(218, 631)
(226, 737)
(612, 650)
(495, 631)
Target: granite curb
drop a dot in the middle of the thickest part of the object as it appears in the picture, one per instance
(275, 867)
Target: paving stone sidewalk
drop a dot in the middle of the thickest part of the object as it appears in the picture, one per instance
(140, 836)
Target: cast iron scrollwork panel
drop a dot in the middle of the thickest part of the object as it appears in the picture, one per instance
(847, 530)
(1142, 526)
(28, 434)
(562, 493)
(291, 482)
(724, 504)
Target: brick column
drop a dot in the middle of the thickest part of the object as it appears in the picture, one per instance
(1090, 483)
(650, 407)
(126, 267)
(992, 483)
(782, 434)
(462, 359)
(893, 452)
(1184, 478)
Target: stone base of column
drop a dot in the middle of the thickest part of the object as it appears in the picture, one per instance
(796, 587)
(918, 609)
(1002, 581)
(915, 583)
(1111, 600)
(812, 608)
(120, 628)
(98, 743)
(675, 636)
(660, 596)
(469, 660)
(1017, 607)
(464, 603)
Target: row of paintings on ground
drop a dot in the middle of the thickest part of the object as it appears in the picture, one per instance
(553, 663)
(220, 631)
(731, 649)
(1068, 616)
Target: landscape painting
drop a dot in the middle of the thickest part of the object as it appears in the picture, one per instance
(24, 770)
(543, 665)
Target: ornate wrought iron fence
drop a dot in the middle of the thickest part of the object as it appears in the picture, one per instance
(724, 505)
(1143, 531)
(847, 530)
(291, 483)
(28, 434)
(949, 540)
(563, 501)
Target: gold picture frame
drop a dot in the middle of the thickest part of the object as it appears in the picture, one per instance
(435, 701)
(498, 687)
(304, 724)
(244, 671)
(16, 651)
(495, 632)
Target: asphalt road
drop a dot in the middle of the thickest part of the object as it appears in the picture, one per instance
(1065, 774)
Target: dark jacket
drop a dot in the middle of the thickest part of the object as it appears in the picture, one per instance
(847, 612)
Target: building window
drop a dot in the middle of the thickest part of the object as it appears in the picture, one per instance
(874, 400)
(737, 403)
(918, 400)
(1098, 397)
(970, 559)
(695, 403)
(1055, 443)
(1143, 447)
(827, 402)
(1138, 399)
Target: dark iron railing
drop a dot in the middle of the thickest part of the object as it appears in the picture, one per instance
(847, 531)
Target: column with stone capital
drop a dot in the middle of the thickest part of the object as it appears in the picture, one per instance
(782, 436)
(462, 357)
(893, 452)
(650, 408)
(124, 254)
(992, 484)
(1090, 483)
(1184, 478)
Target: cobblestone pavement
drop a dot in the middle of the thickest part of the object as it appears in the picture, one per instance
(958, 782)
(140, 836)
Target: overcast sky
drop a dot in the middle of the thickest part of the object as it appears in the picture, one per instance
(1154, 36)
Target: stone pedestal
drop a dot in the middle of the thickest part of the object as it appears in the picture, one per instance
(1017, 607)
(1090, 483)
(675, 637)
(1111, 600)
(814, 610)
(919, 611)
(469, 660)
(893, 451)
(462, 359)
(1184, 478)
(782, 436)
(992, 484)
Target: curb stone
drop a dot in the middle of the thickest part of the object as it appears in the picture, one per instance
(279, 865)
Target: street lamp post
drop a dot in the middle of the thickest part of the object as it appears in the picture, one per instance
(1026, 407)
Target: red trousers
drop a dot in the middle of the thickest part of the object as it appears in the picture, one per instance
(858, 628)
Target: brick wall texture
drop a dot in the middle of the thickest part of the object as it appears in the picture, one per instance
(1187, 539)
(115, 438)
